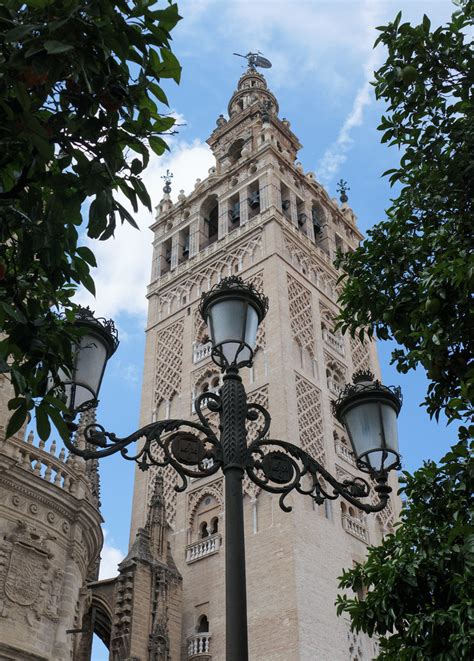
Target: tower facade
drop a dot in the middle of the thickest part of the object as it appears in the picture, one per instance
(259, 215)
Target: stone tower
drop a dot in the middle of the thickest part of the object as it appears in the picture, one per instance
(259, 215)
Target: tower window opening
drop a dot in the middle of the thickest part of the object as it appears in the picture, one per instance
(202, 625)
(234, 213)
(285, 201)
(214, 525)
(235, 150)
(339, 243)
(254, 199)
(300, 211)
(183, 242)
(203, 531)
(165, 256)
(209, 221)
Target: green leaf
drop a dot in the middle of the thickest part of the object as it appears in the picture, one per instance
(42, 422)
(54, 47)
(16, 421)
(20, 31)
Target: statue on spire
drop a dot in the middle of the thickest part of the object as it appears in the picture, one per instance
(256, 60)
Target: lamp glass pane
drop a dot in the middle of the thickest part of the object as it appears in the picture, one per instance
(363, 424)
(90, 364)
(228, 320)
(251, 327)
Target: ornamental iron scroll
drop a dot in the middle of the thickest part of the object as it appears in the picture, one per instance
(280, 467)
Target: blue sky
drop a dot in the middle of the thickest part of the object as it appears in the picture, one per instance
(322, 66)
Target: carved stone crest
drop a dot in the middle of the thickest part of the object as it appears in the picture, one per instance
(28, 580)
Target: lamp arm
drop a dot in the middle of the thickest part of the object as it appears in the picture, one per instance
(165, 444)
(280, 467)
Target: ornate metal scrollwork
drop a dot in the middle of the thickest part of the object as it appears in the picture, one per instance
(164, 443)
(280, 467)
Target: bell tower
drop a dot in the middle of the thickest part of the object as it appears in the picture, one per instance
(259, 215)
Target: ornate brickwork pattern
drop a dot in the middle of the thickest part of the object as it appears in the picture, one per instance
(202, 280)
(305, 262)
(169, 362)
(310, 420)
(301, 314)
(259, 396)
(215, 489)
(360, 355)
(201, 332)
(257, 281)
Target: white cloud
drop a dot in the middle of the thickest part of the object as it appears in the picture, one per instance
(111, 556)
(336, 154)
(124, 261)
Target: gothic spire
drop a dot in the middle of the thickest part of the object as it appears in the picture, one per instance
(92, 475)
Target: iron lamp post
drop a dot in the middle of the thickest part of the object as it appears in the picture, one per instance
(233, 310)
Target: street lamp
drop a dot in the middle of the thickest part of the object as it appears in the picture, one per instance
(233, 310)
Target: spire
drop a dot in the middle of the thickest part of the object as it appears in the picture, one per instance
(156, 522)
(92, 475)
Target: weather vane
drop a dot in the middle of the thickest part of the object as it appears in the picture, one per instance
(342, 188)
(167, 179)
(256, 60)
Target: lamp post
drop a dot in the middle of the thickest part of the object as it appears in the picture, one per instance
(233, 310)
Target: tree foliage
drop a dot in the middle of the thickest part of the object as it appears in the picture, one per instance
(419, 581)
(80, 109)
(413, 278)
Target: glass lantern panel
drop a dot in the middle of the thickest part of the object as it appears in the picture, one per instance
(363, 424)
(251, 327)
(90, 363)
(227, 321)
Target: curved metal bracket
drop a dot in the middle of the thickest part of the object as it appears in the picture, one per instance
(165, 443)
(280, 467)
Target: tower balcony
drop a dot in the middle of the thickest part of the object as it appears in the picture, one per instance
(334, 341)
(355, 527)
(199, 646)
(203, 548)
(201, 351)
(344, 452)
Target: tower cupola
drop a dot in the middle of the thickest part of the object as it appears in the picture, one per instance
(252, 88)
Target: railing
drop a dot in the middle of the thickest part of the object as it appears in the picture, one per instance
(203, 548)
(355, 527)
(344, 452)
(201, 351)
(199, 646)
(43, 463)
(334, 386)
(335, 342)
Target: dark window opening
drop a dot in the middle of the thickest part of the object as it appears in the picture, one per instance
(203, 625)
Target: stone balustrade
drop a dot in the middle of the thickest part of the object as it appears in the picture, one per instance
(203, 548)
(355, 527)
(345, 453)
(201, 351)
(334, 386)
(199, 646)
(334, 341)
(58, 470)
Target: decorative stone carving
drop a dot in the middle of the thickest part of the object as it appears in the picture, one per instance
(259, 396)
(215, 489)
(310, 418)
(301, 314)
(169, 362)
(360, 355)
(203, 279)
(28, 580)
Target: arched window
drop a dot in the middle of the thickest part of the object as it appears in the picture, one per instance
(214, 525)
(209, 221)
(235, 150)
(203, 531)
(202, 625)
